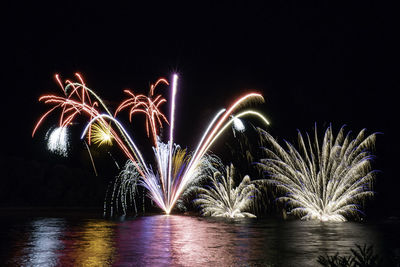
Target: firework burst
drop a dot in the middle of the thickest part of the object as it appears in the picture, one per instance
(57, 141)
(322, 181)
(223, 200)
(76, 100)
(101, 134)
(175, 169)
(148, 106)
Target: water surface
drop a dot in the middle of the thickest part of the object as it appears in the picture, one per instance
(178, 240)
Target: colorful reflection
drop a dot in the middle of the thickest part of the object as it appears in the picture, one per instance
(58, 242)
(173, 240)
(42, 243)
(90, 245)
(146, 240)
(204, 242)
(166, 240)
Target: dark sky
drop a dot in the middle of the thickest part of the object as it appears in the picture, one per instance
(314, 63)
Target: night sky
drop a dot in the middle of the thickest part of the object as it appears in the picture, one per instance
(314, 63)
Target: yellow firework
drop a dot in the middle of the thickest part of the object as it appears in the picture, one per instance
(101, 134)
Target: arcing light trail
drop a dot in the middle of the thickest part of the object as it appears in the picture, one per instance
(77, 102)
(209, 140)
(137, 151)
(176, 168)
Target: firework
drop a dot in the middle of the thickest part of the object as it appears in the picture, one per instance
(238, 125)
(137, 157)
(76, 100)
(148, 106)
(57, 141)
(71, 104)
(124, 190)
(247, 112)
(223, 200)
(209, 164)
(214, 130)
(175, 169)
(101, 134)
(322, 182)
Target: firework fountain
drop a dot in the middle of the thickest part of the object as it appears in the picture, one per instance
(322, 181)
(176, 169)
(223, 200)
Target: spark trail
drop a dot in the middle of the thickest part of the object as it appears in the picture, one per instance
(175, 168)
(322, 181)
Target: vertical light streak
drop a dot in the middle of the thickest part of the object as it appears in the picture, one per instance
(171, 138)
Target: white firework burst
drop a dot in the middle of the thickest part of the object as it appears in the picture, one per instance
(222, 200)
(238, 125)
(322, 182)
(58, 141)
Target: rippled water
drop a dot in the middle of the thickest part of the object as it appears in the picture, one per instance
(176, 240)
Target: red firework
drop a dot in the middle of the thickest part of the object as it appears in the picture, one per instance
(147, 105)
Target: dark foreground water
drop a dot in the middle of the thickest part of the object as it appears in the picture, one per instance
(88, 240)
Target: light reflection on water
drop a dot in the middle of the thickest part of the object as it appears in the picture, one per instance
(175, 240)
(43, 243)
(91, 244)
